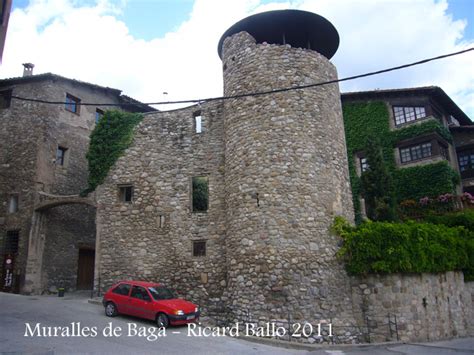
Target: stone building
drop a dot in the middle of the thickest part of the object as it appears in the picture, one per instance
(421, 130)
(42, 156)
(231, 201)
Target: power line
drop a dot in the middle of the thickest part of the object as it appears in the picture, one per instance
(259, 93)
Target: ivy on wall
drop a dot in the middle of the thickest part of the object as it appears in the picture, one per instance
(109, 139)
(365, 119)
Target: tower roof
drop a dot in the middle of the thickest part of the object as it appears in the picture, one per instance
(294, 27)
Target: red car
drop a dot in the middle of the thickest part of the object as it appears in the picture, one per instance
(150, 301)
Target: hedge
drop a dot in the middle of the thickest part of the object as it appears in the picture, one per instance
(383, 247)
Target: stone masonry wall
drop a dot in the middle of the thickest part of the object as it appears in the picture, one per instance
(164, 156)
(30, 134)
(286, 179)
(428, 306)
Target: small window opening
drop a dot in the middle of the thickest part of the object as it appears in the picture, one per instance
(98, 115)
(61, 155)
(11, 242)
(199, 248)
(126, 193)
(161, 221)
(200, 194)
(13, 204)
(198, 122)
(5, 98)
(72, 103)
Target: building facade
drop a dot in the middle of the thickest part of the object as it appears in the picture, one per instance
(426, 139)
(43, 155)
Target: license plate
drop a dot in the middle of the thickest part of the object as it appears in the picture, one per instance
(189, 317)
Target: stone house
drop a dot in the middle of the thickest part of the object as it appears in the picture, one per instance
(42, 155)
(230, 201)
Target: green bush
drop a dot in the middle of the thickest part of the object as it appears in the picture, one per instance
(109, 139)
(383, 247)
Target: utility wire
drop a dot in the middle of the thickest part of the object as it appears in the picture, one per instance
(259, 93)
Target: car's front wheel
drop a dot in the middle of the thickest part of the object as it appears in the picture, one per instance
(110, 309)
(162, 320)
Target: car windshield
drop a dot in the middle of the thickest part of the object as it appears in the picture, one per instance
(161, 293)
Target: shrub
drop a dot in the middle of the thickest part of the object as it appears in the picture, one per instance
(383, 247)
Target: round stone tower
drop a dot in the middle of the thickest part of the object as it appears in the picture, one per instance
(286, 171)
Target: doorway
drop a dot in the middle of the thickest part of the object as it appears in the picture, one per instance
(85, 269)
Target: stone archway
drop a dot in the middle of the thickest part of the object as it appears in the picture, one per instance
(35, 264)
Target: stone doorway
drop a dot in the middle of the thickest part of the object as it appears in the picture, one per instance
(85, 269)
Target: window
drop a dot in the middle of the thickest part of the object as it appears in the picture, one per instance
(444, 152)
(199, 248)
(197, 122)
(126, 193)
(408, 114)
(5, 98)
(415, 152)
(161, 221)
(122, 289)
(72, 103)
(11, 242)
(200, 194)
(61, 155)
(98, 115)
(140, 293)
(364, 165)
(13, 204)
(466, 160)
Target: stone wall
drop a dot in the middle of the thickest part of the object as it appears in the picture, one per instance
(286, 179)
(160, 163)
(67, 229)
(427, 306)
(30, 134)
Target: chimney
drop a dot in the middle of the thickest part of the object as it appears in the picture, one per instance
(28, 69)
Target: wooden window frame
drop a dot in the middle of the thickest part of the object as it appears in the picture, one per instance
(122, 193)
(199, 252)
(72, 104)
(404, 108)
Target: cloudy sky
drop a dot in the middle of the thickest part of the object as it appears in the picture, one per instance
(147, 47)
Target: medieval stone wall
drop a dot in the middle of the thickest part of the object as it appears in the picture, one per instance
(30, 134)
(427, 306)
(164, 157)
(286, 179)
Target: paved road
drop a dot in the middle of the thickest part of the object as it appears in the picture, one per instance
(16, 310)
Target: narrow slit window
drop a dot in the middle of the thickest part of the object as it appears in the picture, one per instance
(161, 221)
(198, 122)
(199, 248)
(13, 204)
(200, 194)
(61, 155)
(126, 193)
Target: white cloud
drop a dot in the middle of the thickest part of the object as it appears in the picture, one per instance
(90, 43)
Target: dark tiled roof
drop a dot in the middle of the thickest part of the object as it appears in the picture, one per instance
(434, 92)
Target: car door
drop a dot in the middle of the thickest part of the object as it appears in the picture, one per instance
(121, 297)
(140, 303)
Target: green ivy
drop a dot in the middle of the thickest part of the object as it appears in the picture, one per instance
(383, 247)
(425, 180)
(109, 139)
(365, 119)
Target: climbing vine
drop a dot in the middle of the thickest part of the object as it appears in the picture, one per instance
(366, 119)
(109, 139)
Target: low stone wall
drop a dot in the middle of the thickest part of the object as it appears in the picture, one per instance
(427, 306)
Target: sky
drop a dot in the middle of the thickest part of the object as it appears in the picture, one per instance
(148, 47)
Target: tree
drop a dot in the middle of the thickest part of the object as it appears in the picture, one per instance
(377, 185)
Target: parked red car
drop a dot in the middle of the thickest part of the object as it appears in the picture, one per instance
(151, 301)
